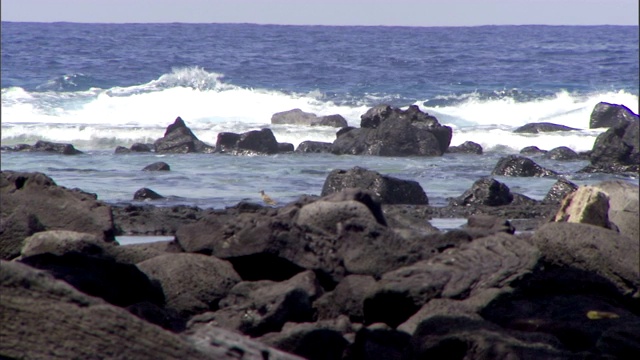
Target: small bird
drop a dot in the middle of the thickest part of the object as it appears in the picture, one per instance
(266, 198)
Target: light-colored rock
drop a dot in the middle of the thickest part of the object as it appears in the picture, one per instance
(587, 205)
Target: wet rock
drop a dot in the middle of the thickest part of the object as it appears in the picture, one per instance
(157, 166)
(617, 150)
(179, 139)
(248, 143)
(534, 128)
(336, 120)
(390, 190)
(562, 153)
(32, 202)
(285, 147)
(139, 147)
(387, 131)
(146, 194)
(532, 150)
(514, 165)
(611, 115)
(45, 146)
(485, 191)
(191, 283)
(314, 147)
(467, 147)
(121, 150)
(559, 190)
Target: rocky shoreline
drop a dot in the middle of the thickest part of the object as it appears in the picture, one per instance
(358, 272)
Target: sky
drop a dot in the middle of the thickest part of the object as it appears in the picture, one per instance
(329, 12)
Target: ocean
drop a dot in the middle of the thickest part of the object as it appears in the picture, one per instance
(99, 86)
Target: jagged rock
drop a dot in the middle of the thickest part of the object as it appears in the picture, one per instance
(191, 283)
(388, 131)
(467, 147)
(146, 194)
(587, 205)
(514, 165)
(611, 115)
(179, 139)
(534, 128)
(32, 202)
(157, 166)
(314, 147)
(559, 191)
(390, 190)
(561, 153)
(485, 191)
(617, 150)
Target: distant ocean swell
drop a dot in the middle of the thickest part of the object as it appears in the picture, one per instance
(74, 108)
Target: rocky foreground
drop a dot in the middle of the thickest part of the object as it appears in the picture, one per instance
(356, 273)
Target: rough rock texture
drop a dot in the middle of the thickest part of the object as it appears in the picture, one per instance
(157, 166)
(390, 190)
(151, 220)
(388, 131)
(592, 249)
(617, 150)
(59, 242)
(248, 143)
(146, 194)
(45, 318)
(587, 205)
(346, 299)
(514, 165)
(191, 283)
(532, 150)
(485, 191)
(562, 153)
(534, 128)
(314, 147)
(623, 206)
(299, 117)
(32, 202)
(559, 190)
(139, 147)
(179, 139)
(467, 147)
(611, 115)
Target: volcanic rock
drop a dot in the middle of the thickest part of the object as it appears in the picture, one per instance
(611, 115)
(514, 165)
(534, 128)
(467, 147)
(157, 166)
(178, 139)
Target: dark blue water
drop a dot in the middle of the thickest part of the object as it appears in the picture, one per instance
(397, 64)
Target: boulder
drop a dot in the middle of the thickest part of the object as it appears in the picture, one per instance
(485, 191)
(46, 146)
(390, 190)
(135, 219)
(299, 117)
(46, 318)
(534, 128)
(157, 166)
(178, 139)
(562, 153)
(146, 194)
(467, 147)
(121, 150)
(285, 147)
(314, 147)
(32, 202)
(623, 206)
(60, 242)
(592, 250)
(611, 115)
(248, 143)
(494, 261)
(191, 283)
(617, 150)
(347, 298)
(514, 165)
(559, 190)
(532, 150)
(139, 147)
(587, 205)
(388, 131)
(117, 283)
(378, 341)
